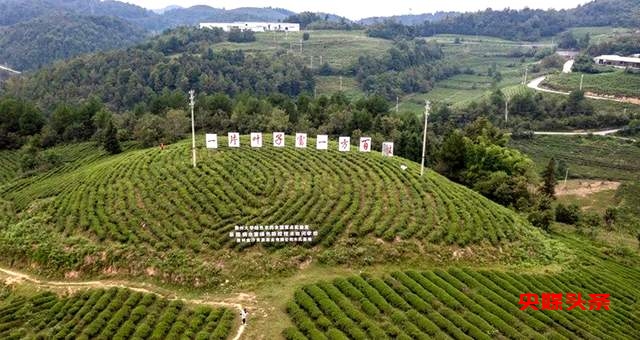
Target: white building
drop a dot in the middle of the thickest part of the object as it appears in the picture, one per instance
(253, 26)
(617, 61)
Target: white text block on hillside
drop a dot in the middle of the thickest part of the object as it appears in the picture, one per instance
(211, 140)
(322, 142)
(256, 139)
(365, 144)
(273, 233)
(344, 144)
(278, 139)
(234, 139)
(387, 149)
(301, 140)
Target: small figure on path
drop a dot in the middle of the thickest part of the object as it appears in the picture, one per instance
(244, 314)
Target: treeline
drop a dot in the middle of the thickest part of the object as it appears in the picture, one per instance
(526, 24)
(407, 67)
(32, 44)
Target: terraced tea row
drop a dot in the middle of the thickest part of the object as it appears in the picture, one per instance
(155, 197)
(586, 157)
(110, 314)
(465, 304)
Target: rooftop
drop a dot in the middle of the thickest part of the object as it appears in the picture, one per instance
(619, 58)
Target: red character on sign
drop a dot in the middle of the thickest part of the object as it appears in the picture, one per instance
(575, 300)
(551, 301)
(599, 301)
(528, 300)
(344, 143)
(301, 140)
(279, 139)
(233, 139)
(256, 138)
(365, 145)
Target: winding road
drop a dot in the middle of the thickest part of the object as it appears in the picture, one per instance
(14, 276)
(9, 70)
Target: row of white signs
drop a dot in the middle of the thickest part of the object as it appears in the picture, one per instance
(322, 142)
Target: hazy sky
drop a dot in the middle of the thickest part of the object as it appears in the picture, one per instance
(362, 9)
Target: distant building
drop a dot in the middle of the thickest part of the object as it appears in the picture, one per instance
(617, 61)
(567, 54)
(253, 26)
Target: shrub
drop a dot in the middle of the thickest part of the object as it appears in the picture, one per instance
(569, 214)
(306, 36)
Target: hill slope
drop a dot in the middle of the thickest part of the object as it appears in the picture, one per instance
(38, 42)
(143, 208)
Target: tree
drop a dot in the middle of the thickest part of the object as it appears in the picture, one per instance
(567, 214)
(305, 36)
(111, 143)
(567, 41)
(549, 180)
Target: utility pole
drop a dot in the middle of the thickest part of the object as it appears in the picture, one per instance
(193, 128)
(566, 174)
(581, 79)
(311, 61)
(340, 83)
(300, 45)
(320, 60)
(427, 107)
(506, 110)
(397, 103)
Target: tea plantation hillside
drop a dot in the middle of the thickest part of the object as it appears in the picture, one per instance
(465, 303)
(148, 212)
(115, 313)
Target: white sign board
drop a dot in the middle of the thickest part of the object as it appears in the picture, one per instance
(234, 139)
(322, 142)
(344, 144)
(365, 144)
(278, 139)
(256, 139)
(211, 140)
(301, 140)
(387, 149)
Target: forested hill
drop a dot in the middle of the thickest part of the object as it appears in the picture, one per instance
(179, 59)
(526, 24)
(409, 19)
(16, 11)
(40, 41)
(197, 14)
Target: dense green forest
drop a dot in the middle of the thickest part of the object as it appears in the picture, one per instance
(408, 67)
(32, 44)
(526, 24)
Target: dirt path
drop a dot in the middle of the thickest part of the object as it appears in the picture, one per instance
(17, 277)
(584, 188)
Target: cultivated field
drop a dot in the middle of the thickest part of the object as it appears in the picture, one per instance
(465, 304)
(152, 206)
(339, 49)
(586, 157)
(618, 83)
(108, 314)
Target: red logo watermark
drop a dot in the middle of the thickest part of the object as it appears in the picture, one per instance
(554, 301)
